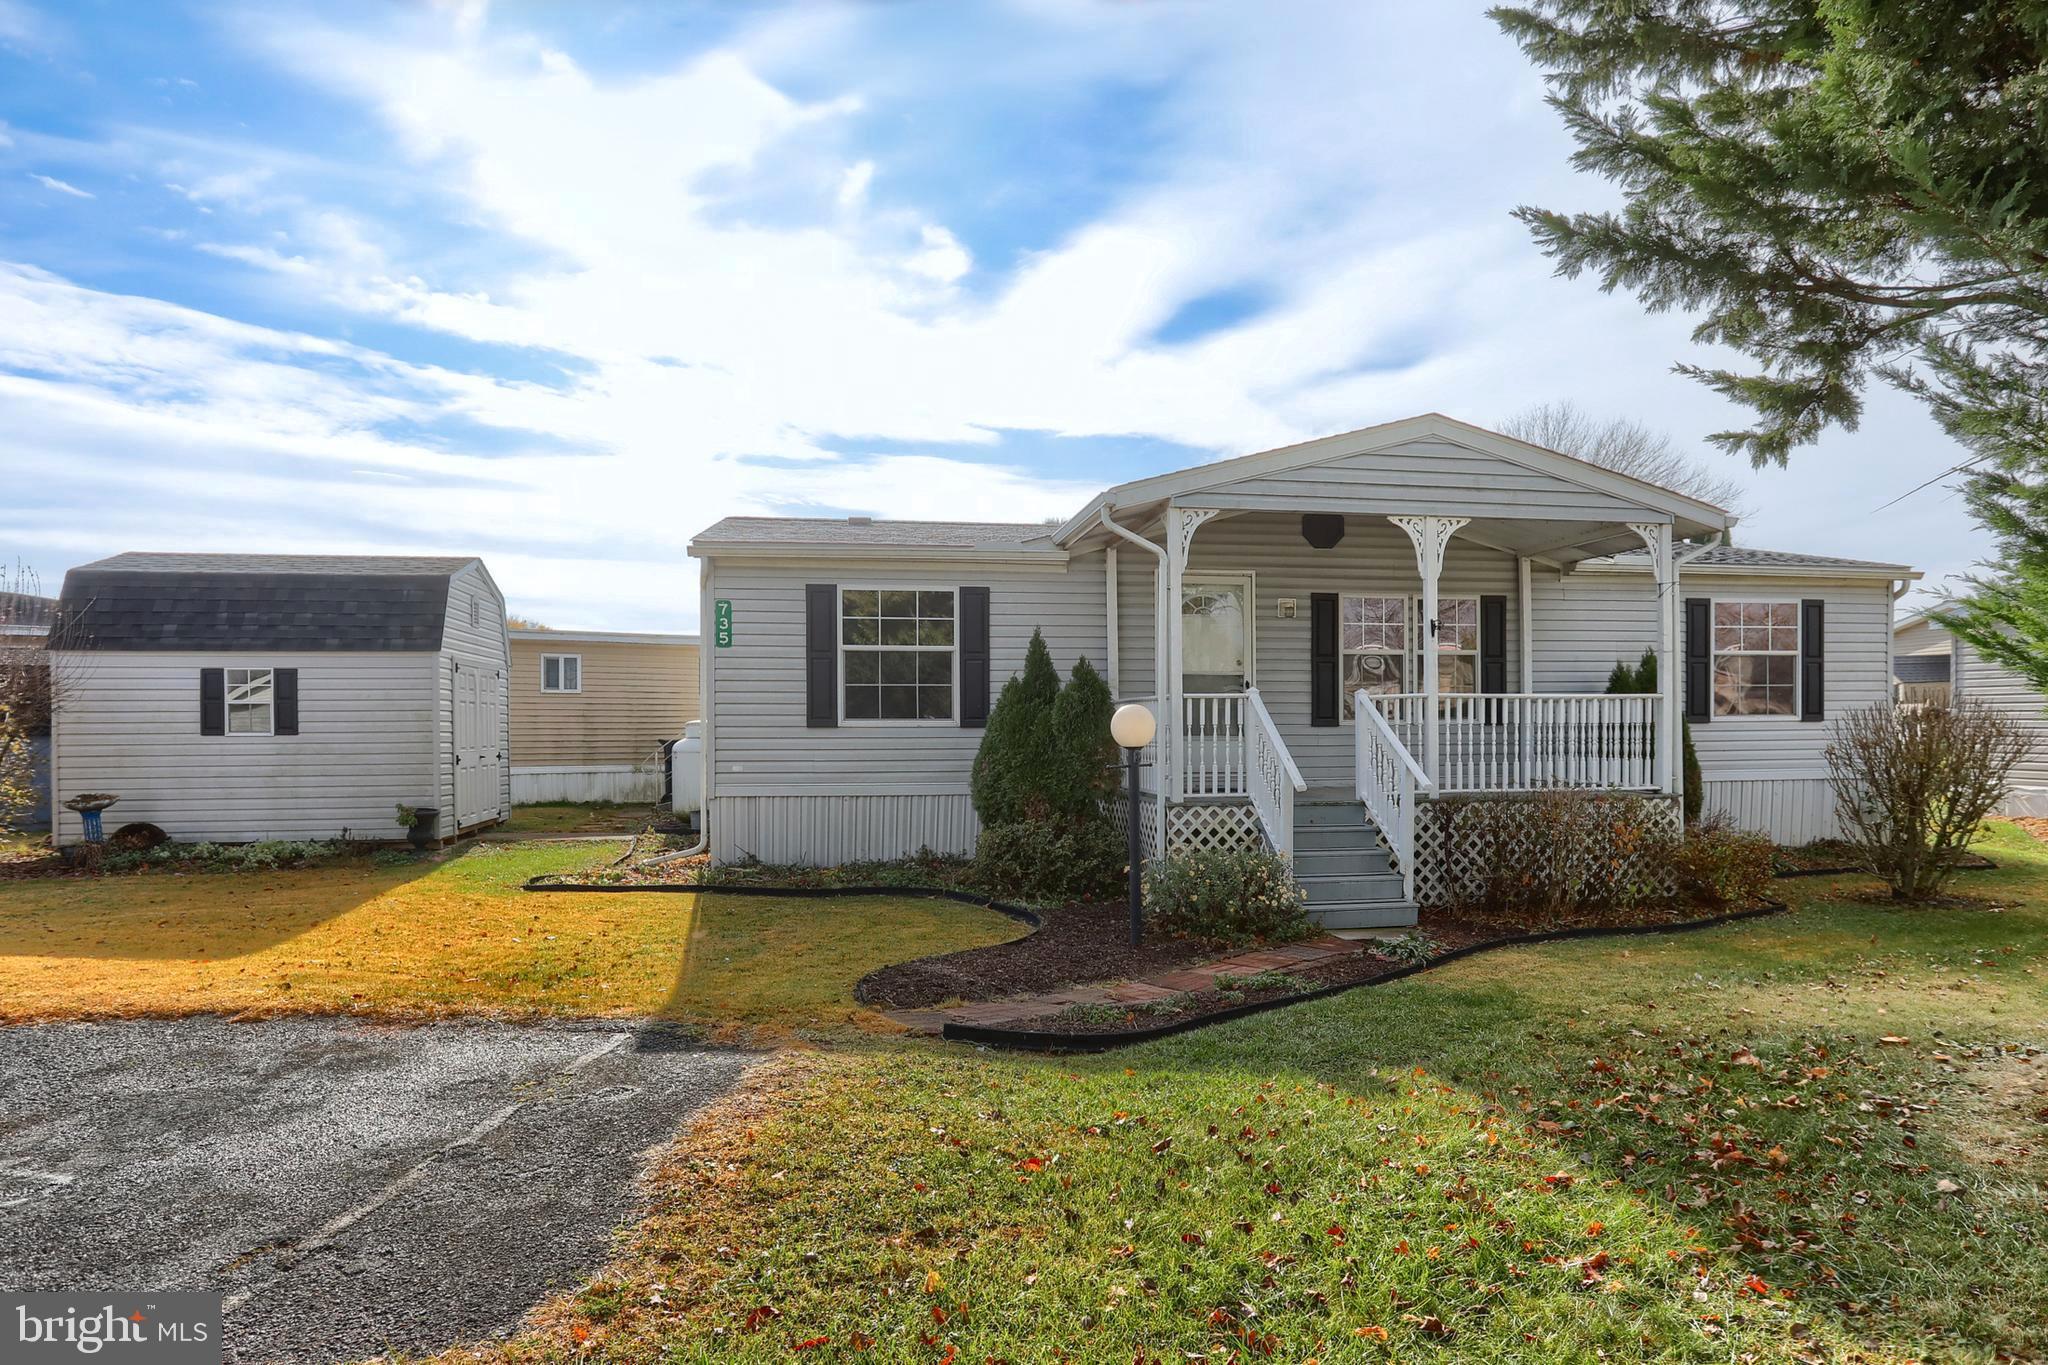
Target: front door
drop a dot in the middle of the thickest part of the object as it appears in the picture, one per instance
(1216, 613)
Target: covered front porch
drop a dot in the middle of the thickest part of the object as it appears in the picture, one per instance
(1337, 643)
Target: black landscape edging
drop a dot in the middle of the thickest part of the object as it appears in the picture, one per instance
(1982, 864)
(1035, 1040)
(1015, 912)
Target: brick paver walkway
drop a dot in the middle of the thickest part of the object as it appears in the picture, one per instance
(1143, 991)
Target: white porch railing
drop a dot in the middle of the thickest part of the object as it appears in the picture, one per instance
(1215, 761)
(1389, 779)
(1274, 778)
(1532, 741)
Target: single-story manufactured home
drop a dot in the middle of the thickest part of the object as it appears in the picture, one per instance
(1342, 639)
(238, 697)
(593, 712)
(1924, 647)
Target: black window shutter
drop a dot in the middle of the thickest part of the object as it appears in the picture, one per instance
(821, 655)
(1493, 644)
(974, 658)
(285, 701)
(1813, 693)
(213, 701)
(1324, 703)
(1699, 660)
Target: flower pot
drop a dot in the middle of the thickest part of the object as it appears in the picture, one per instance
(420, 834)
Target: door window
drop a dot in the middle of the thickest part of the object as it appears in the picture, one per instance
(1215, 635)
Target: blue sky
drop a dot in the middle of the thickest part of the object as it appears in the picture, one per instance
(560, 285)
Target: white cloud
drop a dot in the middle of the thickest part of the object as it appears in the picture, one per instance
(1357, 170)
(50, 182)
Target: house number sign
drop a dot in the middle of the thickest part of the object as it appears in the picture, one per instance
(721, 623)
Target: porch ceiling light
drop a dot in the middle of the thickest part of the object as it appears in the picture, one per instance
(1132, 726)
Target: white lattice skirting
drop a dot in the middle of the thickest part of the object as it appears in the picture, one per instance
(1453, 837)
(1195, 826)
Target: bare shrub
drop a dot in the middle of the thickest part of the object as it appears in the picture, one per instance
(1912, 787)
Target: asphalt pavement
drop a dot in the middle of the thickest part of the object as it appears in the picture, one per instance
(350, 1188)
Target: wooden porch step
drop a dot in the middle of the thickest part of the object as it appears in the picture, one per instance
(1330, 814)
(1345, 858)
(1364, 915)
(1351, 888)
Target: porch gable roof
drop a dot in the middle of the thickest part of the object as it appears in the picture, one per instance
(1427, 464)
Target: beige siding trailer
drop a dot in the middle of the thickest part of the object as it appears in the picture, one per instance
(591, 711)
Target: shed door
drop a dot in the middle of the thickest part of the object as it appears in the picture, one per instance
(479, 762)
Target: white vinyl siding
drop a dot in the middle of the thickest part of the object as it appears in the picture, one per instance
(762, 746)
(1978, 679)
(1427, 477)
(1587, 622)
(485, 647)
(366, 741)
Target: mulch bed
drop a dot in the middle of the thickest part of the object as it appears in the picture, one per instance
(1453, 935)
(1828, 857)
(1077, 944)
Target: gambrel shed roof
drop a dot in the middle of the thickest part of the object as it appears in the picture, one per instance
(150, 601)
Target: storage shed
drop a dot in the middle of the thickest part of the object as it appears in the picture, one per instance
(238, 697)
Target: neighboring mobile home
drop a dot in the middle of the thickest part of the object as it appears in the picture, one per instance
(234, 697)
(593, 710)
(1920, 641)
(1358, 633)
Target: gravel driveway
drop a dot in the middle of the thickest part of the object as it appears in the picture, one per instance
(350, 1188)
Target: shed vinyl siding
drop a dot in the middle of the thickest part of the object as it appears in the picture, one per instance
(367, 740)
(763, 747)
(635, 695)
(1586, 622)
(1374, 557)
(1923, 637)
(1423, 478)
(486, 647)
(1978, 679)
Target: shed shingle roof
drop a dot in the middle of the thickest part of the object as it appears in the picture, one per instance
(153, 561)
(256, 603)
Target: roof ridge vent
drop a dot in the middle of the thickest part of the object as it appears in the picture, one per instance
(860, 521)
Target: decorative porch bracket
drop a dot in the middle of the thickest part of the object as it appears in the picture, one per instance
(1664, 567)
(1430, 536)
(1181, 525)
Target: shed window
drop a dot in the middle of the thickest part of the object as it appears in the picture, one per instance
(561, 672)
(897, 653)
(1756, 658)
(251, 701)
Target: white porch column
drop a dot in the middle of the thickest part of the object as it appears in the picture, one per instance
(1664, 569)
(1181, 525)
(1429, 535)
(1528, 623)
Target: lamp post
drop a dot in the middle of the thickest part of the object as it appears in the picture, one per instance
(1132, 728)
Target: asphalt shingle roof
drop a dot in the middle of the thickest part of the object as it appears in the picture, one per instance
(1921, 668)
(154, 561)
(1743, 557)
(847, 531)
(256, 602)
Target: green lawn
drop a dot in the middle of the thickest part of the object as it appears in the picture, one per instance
(452, 933)
(1813, 1137)
(579, 817)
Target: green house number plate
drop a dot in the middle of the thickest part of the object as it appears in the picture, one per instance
(721, 623)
